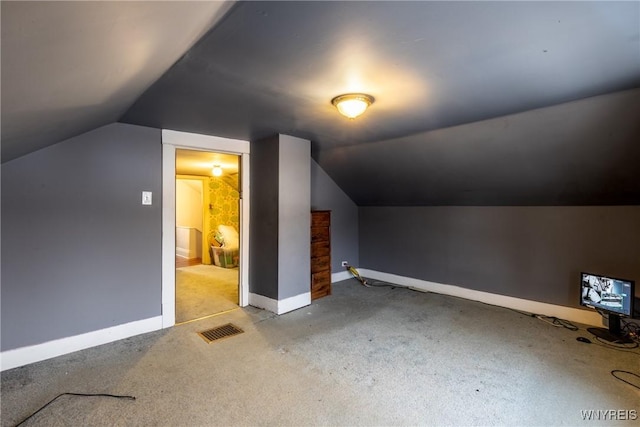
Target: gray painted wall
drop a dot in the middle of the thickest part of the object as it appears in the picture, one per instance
(294, 236)
(534, 253)
(280, 217)
(80, 251)
(581, 153)
(326, 195)
(263, 246)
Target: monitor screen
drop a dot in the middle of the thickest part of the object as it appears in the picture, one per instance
(607, 294)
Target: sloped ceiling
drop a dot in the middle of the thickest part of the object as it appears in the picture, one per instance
(441, 73)
(69, 67)
(476, 102)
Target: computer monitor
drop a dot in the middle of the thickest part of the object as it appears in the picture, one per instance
(612, 296)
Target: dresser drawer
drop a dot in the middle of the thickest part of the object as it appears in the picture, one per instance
(320, 254)
(320, 284)
(320, 263)
(321, 219)
(319, 234)
(320, 249)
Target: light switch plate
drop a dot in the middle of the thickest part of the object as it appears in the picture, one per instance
(146, 197)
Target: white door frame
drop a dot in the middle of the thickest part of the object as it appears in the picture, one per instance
(172, 140)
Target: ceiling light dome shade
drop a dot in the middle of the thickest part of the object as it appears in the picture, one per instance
(352, 105)
(217, 170)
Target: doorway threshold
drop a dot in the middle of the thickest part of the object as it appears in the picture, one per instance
(207, 317)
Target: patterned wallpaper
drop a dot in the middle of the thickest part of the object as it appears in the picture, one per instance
(224, 203)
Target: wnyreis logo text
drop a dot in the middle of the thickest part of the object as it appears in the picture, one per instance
(609, 414)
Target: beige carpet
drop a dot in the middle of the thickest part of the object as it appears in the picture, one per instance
(203, 290)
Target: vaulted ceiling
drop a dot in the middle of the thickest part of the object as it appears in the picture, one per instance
(69, 67)
(476, 103)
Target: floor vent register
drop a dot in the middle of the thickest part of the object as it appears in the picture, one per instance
(220, 332)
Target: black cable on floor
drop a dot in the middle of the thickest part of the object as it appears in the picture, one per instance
(631, 332)
(370, 283)
(618, 346)
(556, 321)
(377, 284)
(76, 394)
(631, 328)
(523, 313)
(623, 380)
(552, 320)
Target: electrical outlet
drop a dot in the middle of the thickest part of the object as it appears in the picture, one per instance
(345, 263)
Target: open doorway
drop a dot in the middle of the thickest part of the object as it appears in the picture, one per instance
(207, 195)
(171, 141)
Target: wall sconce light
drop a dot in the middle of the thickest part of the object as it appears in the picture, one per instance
(352, 105)
(217, 170)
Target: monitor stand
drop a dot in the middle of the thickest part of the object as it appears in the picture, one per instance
(613, 334)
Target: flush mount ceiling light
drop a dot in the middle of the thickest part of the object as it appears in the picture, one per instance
(351, 105)
(217, 170)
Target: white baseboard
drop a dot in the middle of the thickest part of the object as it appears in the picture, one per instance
(35, 353)
(183, 253)
(338, 277)
(280, 307)
(25, 355)
(263, 302)
(567, 313)
(293, 303)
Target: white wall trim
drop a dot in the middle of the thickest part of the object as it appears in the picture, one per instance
(35, 353)
(280, 307)
(245, 208)
(172, 140)
(293, 303)
(184, 253)
(260, 301)
(204, 142)
(338, 277)
(168, 235)
(566, 313)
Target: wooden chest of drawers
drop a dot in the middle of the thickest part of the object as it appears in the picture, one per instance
(320, 254)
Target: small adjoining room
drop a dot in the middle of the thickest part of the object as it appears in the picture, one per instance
(207, 239)
(334, 213)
